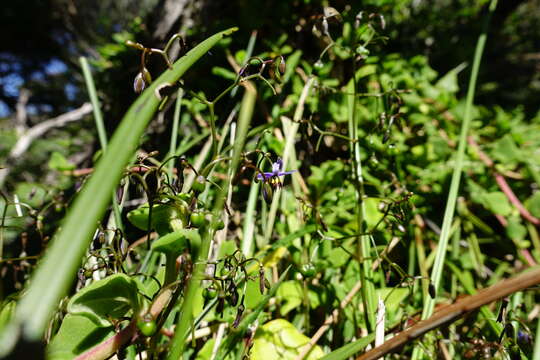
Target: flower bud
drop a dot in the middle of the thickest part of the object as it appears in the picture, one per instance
(267, 192)
(142, 80)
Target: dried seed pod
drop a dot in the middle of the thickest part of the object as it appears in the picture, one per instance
(509, 330)
(330, 12)
(282, 67)
(502, 311)
(233, 296)
(431, 290)
(152, 184)
(238, 318)
(261, 279)
(221, 304)
(267, 192)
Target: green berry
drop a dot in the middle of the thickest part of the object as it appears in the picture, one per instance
(209, 294)
(218, 225)
(147, 328)
(197, 219)
(185, 196)
(308, 270)
(199, 184)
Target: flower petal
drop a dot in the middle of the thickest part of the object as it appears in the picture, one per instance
(266, 175)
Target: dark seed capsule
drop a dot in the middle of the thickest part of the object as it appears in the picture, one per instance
(267, 192)
(238, 318)
(282, 66)
(233, 297)
(502, 311)
(261, 280)
(220, 305)
(431, 291)
(509, 330)
(152, 183)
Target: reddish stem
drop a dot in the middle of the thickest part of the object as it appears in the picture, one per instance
(503, 185)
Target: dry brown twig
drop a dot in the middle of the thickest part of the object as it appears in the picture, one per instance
(451, 313)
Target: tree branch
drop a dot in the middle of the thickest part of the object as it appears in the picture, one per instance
(35, 132)
(453, 312)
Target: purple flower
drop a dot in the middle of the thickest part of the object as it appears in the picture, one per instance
(276, 171)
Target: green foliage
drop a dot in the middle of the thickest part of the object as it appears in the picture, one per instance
(77, 334)
(279, 339)
(252, 265)
(106, 299)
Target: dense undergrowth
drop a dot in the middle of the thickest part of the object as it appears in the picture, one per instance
(286, 213)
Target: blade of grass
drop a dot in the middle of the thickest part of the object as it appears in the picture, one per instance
(349, 350)
(102, 134)
(289, 143)
(174, 131)
(249, 222)
(456, 175)
(58, 268)
(536, 353)
(185, 321)
(363, 248)
(96, 106)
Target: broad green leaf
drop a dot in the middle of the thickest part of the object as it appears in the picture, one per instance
(449, 82)
(290, 295)
(112, 297)
(533, 204)
(515, 230)
(253, 294)
(59, 162)
(393, 298)
(56, 271)
(506, 151)
(227, 248)
(338, 257)
(373, 214)
(176, 242)
(497, 202)
(162, 216)
(279, 339)
(76, 335)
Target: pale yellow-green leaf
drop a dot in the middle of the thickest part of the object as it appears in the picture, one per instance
(280, 340)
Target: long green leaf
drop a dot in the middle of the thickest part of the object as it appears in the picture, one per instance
(349, 350)
(442, 248)
(185, 321)
(58, 268)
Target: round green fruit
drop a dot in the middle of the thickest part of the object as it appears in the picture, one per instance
(308, 270)
(197, 219)
(147, 328)
(218, 225)
(199, 184)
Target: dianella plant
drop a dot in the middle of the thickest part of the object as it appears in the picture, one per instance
(294, 212)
